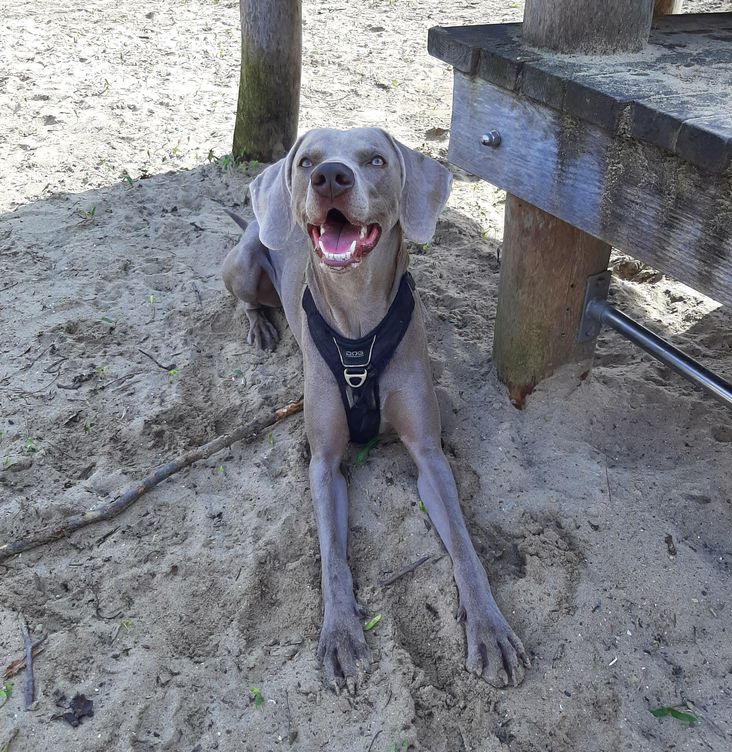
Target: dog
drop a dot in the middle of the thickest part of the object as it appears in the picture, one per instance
(328, 247)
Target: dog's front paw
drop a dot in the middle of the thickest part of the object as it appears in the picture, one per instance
(343, 651)
(262, 333)
(494, 650)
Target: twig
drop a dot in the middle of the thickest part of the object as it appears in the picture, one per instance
(134, 492)
(19, 664)
(6, 747)
(373, 741)
(404, 570)
(157, 363)
(127, 376)
(198, 294)
(28, 646)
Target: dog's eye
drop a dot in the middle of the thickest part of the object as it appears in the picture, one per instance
(378, 161)
(305, 162)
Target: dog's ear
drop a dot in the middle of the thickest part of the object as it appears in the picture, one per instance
(271, 193)
(425, 189)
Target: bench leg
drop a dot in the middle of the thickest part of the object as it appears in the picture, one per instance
(545, 263)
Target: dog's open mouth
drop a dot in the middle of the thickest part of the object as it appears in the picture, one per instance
(340, 243)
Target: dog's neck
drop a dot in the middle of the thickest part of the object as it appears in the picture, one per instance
(354, 301)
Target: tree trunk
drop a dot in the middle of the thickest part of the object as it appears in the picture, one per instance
(269, 84)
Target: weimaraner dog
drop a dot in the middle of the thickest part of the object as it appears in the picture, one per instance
(331, 219)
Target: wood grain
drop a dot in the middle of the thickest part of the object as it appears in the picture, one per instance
(639, 198)
(585, 27)
(544, 268)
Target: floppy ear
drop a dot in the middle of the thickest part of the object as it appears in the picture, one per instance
(272, 203)
(425, 189)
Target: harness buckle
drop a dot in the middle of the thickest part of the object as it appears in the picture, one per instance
(355, 379)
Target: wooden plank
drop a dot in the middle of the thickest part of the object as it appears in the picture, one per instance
(659, 119)
(581, 27)
(685, 73)
(635, 196)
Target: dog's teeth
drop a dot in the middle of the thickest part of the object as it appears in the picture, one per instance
(352, 249)
(363, 232)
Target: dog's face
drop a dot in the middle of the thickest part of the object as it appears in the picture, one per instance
(345, 190)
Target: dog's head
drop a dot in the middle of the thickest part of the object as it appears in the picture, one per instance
(344, 190)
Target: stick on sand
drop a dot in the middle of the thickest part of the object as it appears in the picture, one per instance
(246, 433)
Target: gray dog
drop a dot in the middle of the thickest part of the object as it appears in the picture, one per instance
(327, 245)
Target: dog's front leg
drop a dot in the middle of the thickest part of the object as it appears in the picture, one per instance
(342, 648)
(494, 650)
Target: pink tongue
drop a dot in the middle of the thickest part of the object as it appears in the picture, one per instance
(338, 238)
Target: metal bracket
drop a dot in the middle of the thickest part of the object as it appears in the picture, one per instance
(596, 289)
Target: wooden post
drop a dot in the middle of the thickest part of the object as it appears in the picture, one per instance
(666, 7)
(545, 262)
(269, 84)
(544, 267)
(586, 27)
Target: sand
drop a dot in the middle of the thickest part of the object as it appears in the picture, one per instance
(603, 513)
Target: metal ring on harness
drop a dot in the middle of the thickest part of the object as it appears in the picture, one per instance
(355, 380)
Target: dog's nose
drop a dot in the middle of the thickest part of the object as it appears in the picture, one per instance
(330, 179)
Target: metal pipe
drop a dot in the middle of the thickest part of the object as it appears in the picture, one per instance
(603, 312)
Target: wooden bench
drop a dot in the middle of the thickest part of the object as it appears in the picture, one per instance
(631, 149)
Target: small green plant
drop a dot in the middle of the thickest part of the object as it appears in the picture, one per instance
(270, 439)
(371, 623)
(688, 718)
(100, 370)
(88, 426)
(220, 469)
(6, 692)
(107, 320)
(151, 300)
(87, 215)
(256, 694)
(30, 445)
(172, 372)
(127, 178)
(6, 461)
(127, 624)
(211, 157)
(363, 452)
(422, 507)
(237, 373)
(403, 747)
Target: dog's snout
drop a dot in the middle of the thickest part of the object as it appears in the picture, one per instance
(330, 179)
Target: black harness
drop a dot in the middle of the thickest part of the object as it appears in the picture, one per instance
(358, 363)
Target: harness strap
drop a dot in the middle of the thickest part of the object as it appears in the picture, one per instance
(357, 364)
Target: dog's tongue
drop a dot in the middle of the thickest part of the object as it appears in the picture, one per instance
(337, 237)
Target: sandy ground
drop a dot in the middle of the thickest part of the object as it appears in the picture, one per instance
(603, 515)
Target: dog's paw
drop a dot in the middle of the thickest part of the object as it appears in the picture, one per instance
(495, 653)
(262, 333)
(343, 651)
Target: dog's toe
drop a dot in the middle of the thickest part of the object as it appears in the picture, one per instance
(344, 654)
(495, 653)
